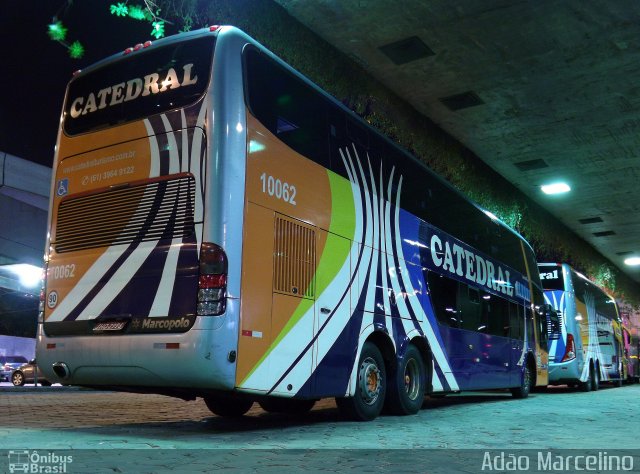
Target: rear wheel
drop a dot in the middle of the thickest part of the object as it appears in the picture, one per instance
(371, 387)
(586, 386)
(228, 406)
(407, 384)
(17, 378)
(286, 405)
(525, 385)
(595, 380)
(45, 383)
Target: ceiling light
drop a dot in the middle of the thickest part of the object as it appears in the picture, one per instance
(632, 261)
(555, 188)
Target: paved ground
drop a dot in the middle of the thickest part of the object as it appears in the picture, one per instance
(162, 432)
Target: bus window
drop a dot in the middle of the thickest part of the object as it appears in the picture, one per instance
(443, 292)
(469, 308)
(114, 95)
(292, 110)
(495, 314)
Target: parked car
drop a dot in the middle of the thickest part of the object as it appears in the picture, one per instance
(25, 374)
(8, 364)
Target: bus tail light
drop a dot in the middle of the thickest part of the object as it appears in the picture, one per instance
(212, 283)
(570, 351)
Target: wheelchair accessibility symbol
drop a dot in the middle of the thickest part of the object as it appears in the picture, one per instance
(62, 188)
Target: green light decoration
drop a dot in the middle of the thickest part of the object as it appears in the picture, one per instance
(120, 9)
(76, 50)
(158, 29)
(138, 13)
(57, 31)
(188, 24)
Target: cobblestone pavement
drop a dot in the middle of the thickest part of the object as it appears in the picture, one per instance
(167, 431)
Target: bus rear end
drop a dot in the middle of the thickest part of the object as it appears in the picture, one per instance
(564, 345)
(124, 280)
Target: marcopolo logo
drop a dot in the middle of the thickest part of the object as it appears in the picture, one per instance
(165, 324)
(35, 462)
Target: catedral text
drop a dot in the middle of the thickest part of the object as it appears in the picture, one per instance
(132, 89)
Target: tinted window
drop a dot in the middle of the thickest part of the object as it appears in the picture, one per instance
(516, 322)
(136, 86)
(461, 306)
(495, 314)
(604, 305)
(289, 108)
(443, 293)
(470, 310)
(430, 198)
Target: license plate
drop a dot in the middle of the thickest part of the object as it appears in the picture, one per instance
(110, 326)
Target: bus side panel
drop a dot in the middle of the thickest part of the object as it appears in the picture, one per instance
(257, 278)
(587, 324)
(288, 201)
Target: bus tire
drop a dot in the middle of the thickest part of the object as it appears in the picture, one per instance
(525, 383)
(371, 387)
(407, 383)
(586, 386)
(595, 384)
(286, 405)
(228, 406)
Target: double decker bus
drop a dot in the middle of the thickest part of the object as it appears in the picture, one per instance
(588, 348)
(631, 350)
(222, 228)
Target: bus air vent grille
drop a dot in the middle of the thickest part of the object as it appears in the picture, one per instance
(121, 216)
(294, 258)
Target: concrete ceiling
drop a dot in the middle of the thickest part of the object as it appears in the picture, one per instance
(557, 81)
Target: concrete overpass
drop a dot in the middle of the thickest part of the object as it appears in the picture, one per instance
(24, 203)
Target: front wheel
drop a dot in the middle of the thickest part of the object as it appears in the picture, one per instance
(228, 405)
(407, 384)
(371, 387)
(17, 378)
(525, 385)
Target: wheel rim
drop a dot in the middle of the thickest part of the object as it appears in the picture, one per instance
(370, 381)
(527, 379)
(17, 379)
(412, 378)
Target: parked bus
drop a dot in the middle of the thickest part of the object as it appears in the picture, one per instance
(631, 346)
(588, 348)
(220, 227)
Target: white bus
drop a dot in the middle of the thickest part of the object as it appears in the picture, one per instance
(588, 348)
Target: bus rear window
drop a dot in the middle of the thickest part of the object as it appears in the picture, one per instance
(551, 277)
(139, 85)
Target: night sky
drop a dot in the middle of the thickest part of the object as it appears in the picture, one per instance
(35, 70)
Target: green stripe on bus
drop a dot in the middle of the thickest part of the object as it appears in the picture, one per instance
(343, 223)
